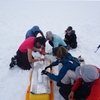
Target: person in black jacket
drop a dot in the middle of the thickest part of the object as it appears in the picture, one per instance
(70, 37)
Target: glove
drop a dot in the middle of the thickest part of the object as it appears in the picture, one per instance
(44, 72)
(43, 50)
(48, 67)
(40, 52)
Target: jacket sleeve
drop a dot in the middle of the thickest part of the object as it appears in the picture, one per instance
(60, 75)
(55, 63)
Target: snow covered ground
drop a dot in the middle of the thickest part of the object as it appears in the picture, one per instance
(17, 16)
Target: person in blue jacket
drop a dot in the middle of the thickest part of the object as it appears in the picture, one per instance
(34, 31)
(69, 64)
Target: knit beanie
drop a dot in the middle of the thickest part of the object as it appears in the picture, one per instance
(88, 73)
(48, 34)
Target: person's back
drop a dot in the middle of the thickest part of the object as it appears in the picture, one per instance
(58, 41)
(54, 40)
(33, 32)
(27, 44)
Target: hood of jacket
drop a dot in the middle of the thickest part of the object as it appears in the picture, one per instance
(36, 28)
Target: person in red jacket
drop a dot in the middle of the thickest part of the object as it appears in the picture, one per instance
(87, 86)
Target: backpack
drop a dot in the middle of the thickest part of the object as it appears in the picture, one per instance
(76, 60)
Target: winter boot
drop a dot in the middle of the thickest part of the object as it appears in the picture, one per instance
(13, 62)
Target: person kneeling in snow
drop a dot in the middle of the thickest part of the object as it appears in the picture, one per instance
(69, 64)
(33, 32)
(70, 37)
(24, 54)
(87, 86)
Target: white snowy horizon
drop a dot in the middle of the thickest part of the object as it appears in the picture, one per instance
(17, 16)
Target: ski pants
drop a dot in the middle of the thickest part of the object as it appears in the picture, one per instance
(22, 60)
(72, 45)
(81, 94)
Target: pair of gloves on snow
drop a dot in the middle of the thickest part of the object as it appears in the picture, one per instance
(44, 72)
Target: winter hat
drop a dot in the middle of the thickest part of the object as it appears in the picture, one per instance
(88, 73)
(48, 34)
(69, 28)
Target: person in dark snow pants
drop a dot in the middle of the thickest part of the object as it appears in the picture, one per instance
(70, 38)
(87, 85)
(24, 56)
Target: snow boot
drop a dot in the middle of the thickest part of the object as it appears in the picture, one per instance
(13, 62)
